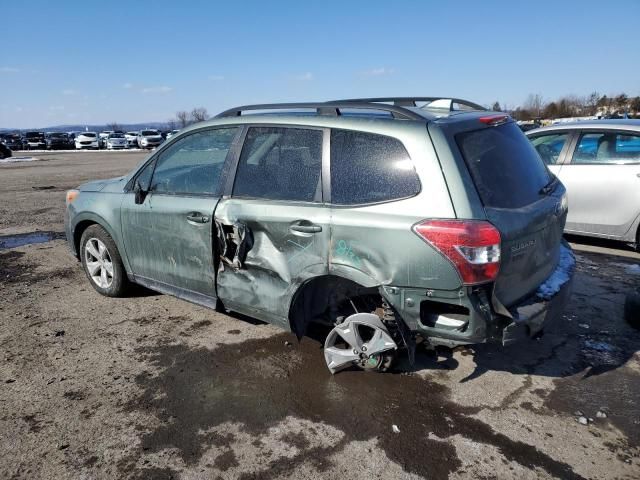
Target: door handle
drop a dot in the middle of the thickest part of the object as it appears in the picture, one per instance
(197, 217)
(306, 227)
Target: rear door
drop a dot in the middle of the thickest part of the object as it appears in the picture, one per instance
(603, 183)
(273, 229)
(511, 179)
(168, 237)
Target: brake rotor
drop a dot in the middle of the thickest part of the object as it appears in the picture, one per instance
(361, 340)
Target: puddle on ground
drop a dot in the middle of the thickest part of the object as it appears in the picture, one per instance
(19, 240)
(259, 383)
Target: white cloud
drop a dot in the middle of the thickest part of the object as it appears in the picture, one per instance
(216, 78)
(160, 89)
(378, 72)
(128, 86)
(305, 77)
(69, 91)
(9, 70)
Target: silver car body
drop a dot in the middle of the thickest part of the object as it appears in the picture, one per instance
(599, 164)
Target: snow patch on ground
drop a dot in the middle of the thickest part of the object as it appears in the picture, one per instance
(18, 159)
(560, 276)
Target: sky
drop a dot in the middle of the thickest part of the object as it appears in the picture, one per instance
(92, 62)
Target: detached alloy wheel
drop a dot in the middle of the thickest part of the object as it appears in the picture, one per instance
(102, 262)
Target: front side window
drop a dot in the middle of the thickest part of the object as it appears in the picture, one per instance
(193, 164)
(607, 147)
(549, 146)
(370, 168)
(280, 164)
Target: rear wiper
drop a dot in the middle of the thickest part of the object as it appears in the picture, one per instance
(548, 188)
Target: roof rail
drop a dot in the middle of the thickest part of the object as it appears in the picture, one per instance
(327, 108)
(412, 101)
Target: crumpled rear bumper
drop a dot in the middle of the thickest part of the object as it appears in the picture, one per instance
(546, 305)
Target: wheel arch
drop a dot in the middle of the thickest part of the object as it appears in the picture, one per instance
(84, 221)
(316, 295)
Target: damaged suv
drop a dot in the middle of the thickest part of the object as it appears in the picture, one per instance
(388, 220)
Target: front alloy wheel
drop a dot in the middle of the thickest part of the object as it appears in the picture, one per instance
(99, 263)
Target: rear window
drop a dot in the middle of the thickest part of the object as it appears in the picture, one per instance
(507, 170)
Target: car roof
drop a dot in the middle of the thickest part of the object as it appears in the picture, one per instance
(612, 124)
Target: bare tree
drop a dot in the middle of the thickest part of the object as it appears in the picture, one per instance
(113, 126)
(534, 104)
(171, 124)
(621, 101)
(183, 118)
(496, 107)
(635, 105)
(199, 114)
(591, 103)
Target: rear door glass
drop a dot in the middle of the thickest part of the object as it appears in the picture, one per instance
(506, 169)
(607, 147)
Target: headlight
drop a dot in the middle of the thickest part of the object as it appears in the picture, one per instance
(72, 195)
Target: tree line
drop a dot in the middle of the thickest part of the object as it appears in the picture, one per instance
(184, 118)
(536, 107)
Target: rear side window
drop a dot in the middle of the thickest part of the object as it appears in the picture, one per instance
(607, 147)
(280, 164)
(505, 167)
(370, 168)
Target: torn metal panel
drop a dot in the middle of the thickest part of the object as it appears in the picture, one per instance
(278, 258)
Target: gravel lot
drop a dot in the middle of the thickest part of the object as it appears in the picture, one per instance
(151, 387)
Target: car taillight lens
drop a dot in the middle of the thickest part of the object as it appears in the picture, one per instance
(473, 246)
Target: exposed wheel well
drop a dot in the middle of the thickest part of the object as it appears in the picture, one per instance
(77, 233)
(325, 299)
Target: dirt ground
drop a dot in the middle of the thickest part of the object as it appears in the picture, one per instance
(152, 387)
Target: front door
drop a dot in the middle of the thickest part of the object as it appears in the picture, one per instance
(168, 237)
(273, 229)
(603, 183)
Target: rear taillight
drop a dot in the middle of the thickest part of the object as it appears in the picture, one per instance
(473, 246)
(493, 120)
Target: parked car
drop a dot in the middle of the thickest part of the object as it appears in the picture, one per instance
(132, 139)
(385, 226)
(116, 141)
(102, 137)
(599, 163)
(35, 141)
(5, 151)
(13, 141)
(87, 140)
(57, 141)
(149, 139)
(171, 133)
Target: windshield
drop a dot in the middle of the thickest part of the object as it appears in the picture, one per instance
(131, 133)
(34, 135)
(57, 135)
(116, 135)
(506, 169)
(88, 134)
(149, 132)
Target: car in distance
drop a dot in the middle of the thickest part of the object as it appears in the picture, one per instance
(383, 222)
(149, 139)
(35, 141)
(132, 139)
(116, 141)
(87, 140)
(171, 133)
(599, 163)
(13, 141)
(5, 151)
(102, 137)
(57, 141)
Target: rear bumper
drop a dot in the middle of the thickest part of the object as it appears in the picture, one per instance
(468, 317)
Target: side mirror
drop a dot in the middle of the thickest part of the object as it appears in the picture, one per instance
(140, 193)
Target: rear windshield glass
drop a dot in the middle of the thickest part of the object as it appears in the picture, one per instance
(88, 134)
(149, 132)
(506, 169)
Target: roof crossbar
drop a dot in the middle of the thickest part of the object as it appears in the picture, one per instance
(327, 108)
(412, 101)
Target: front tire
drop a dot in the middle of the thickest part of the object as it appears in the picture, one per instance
(102, 262)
